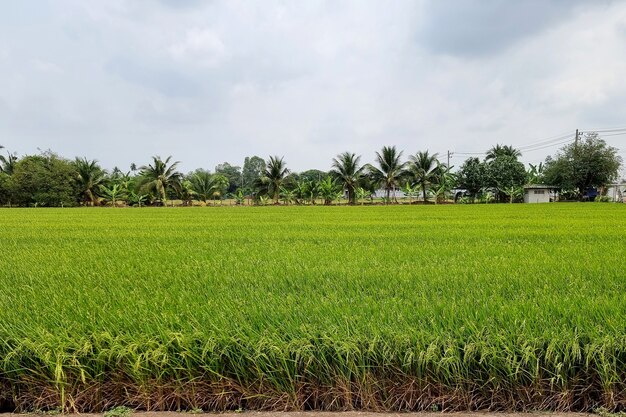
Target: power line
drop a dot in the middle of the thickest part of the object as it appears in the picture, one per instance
(555, 140)
(548, 146)
(604, 129)
(614, 134)
(546, 140)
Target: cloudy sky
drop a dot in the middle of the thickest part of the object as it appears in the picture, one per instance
(213, 81)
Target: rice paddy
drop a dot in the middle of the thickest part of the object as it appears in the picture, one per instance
(499, 307)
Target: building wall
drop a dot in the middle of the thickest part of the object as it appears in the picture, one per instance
(617, 192)
(537, 195)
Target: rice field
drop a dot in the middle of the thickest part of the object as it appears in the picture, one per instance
(499, 307)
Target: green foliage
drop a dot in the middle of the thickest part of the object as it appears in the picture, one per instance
(219, 309)
(535, 174)
(119, 411)
(7, 163)
(112, 194)
(305, 192)
(89, 178)
(591, 163)
(504, 173)
(185, 192)
(202, 184)
(604, 412)
(329, 190)
(502, 150)
(472, 176)
(313, 175)
(44, 180)
(219, 186)
(390, 170)
(160, 177)
(273, 177)
(6, 189)
(347, 170)
(362, 193)
(443, 180)
(253, 168)
(232, 173)
(423, 171)
(409, 190)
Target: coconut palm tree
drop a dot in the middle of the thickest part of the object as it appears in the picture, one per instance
(7, 164)
(90, 177)
(390, 170)
(346, 169)
(423, 169)
(202, 184)
(219, 186)
(274, 175)
(185, 192)
(443, 181)
(502, 150)
(160, 176)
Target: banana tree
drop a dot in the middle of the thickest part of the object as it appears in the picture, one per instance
(361, 194)
(112, 194)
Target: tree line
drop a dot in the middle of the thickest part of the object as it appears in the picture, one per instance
(46, 179)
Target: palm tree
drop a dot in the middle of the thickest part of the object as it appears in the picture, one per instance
(273, 176)
(423, 167)
(7, 164)
(160, 176)
(502, 150)
(391, 170)
(185, 192)
(90, 178)
(346, 168)
(443, 181)
(202, 184)
(219, 185)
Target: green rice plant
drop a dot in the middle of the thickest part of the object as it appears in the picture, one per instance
(403, 308)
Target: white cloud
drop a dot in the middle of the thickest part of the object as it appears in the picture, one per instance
(46, 66)
(201, 47)
(216, 81)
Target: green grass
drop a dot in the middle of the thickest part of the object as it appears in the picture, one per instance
(507, 307)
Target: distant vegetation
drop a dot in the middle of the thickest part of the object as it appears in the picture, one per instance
(52, 181)
(294, 308)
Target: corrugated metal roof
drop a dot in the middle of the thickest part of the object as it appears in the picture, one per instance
(537, 186)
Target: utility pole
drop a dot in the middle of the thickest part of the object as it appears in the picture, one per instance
(448, 159)
(576, 140)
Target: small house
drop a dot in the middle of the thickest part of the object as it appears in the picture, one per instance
(539, 193)
(616, 192)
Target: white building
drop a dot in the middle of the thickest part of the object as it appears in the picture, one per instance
(539, 193)
(616, 192)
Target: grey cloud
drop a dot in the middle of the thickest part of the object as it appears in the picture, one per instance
(183, 4)
(167, 81)
(483, 27)
(304, 80)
